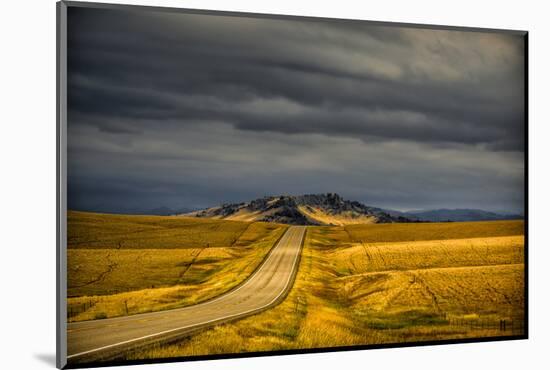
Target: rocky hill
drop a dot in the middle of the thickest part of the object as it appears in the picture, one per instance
(309, 209)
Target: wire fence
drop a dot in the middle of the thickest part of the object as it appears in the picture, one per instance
(507, 326)
(512, 326)
(76, 309)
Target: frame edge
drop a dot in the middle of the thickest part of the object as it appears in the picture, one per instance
(312, 18)
(61, 184)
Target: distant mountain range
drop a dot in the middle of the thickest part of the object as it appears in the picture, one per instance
(159, 211)
(165, 211)
(443, 215)
(332, 209)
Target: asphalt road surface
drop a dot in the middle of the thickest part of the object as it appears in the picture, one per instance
(267, 286)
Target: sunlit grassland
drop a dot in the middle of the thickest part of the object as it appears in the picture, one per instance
(349, 291)
(432, 231)
(113, 274)
(344, 218)
(99, 231)
(371, 257)
(310, 316)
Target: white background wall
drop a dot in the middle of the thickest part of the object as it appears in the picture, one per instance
(27, 203)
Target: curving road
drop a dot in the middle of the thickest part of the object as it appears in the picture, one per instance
(266, 287)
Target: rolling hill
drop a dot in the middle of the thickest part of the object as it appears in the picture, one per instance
(309, 209)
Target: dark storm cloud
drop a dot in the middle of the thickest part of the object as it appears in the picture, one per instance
(142, 83)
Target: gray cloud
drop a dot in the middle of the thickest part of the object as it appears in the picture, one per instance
(191, 110)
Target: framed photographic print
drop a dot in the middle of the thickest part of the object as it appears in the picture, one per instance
(235, 184)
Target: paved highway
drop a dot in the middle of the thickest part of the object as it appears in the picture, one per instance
(266, 287)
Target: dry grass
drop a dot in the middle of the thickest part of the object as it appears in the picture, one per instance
(344, 218)
(392, 292)
(369, 257)
(116, 280)
(484, 291)
(386, 233)
(300, 321)
(106, 231)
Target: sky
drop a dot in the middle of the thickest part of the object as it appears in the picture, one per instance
(190, 111)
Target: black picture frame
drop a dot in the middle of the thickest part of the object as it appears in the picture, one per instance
(61, 216)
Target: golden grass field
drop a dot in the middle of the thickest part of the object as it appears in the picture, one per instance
(384, 233)
(345, 218)
(122, 265)
(393, 283)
